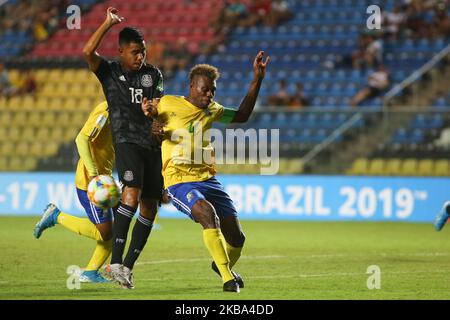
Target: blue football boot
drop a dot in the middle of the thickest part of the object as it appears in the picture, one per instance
(442, 217)
(48, 220)
(92, 276)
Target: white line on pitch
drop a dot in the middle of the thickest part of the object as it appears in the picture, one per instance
(204, 259)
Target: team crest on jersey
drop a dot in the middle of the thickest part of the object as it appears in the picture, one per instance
(189, 196)
(147, 81)
(128, 176)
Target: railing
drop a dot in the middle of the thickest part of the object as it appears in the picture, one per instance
(416, 75)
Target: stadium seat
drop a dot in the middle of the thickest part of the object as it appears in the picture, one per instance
(442, 168)
(425, 167)
(376, 167)
(409, 167)
(359, 167)
(393, 167)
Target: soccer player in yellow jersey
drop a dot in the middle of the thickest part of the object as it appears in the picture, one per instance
(191, 184)
(94, 144)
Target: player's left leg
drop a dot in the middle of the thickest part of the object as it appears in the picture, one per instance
(229, 223)
(235, 238)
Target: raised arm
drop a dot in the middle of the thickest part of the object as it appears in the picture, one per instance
(89, 50)
(247, 105)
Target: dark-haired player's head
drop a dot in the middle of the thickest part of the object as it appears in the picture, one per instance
(132, 48)
(202, 86)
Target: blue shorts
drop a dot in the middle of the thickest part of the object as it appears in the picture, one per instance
(185, 195)
(95, 214)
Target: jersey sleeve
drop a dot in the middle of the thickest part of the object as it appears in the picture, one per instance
(104, 70)
(94, 124)
(159, 90)
(227, 115)
(224, 115)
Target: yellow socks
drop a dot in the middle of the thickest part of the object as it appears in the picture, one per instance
(81, 226)
(233, 254)
(86, 228)
(101, 253)
(215, 242)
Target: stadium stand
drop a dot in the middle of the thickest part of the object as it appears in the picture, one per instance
(309, 49)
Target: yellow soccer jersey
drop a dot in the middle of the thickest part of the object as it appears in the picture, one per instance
(192, 159)
(97, 128)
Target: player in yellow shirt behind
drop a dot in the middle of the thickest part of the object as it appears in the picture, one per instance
(191, 183)
(94, 144)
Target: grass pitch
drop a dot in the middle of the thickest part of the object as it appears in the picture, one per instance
(281, 260)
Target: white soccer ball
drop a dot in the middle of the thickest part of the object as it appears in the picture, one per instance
(103, 192)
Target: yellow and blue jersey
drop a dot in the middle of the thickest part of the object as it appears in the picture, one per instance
(97, 128)
(187, 121)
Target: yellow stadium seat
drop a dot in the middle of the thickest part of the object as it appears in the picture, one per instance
(41, 75)
(43, 134)
(70, 104)
(28, 134)
(15, 164)
(295, 166)
(56, 104)
(359, 167)
(409, 167)
(22, 148)
(19, 119)
(3, 163)
(48, 90)
(441, 168)
(3, 103)
(51, 149)
(37, 149)
(3, 134)
(15, 103)
(79, 118)
(54, 75)
(14, 133)
(63, 118)
(14, 76)
(86, 104)
(49, 118)
(35, 118)
(5, 118)
(28, 102)
(68, 75)
(376, 167)
(393, 167)
(7, 148)
(70, 134)
(76, 90)
(42, 103)
(57, 134)
(30, 163)
(61, 90)
(425, 167)
(92, 91)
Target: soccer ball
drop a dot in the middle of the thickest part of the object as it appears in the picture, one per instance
(103, 192)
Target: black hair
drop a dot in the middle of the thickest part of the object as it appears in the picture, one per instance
(129, 35)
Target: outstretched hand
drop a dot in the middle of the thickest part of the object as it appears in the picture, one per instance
(112, 16)
(259, 66)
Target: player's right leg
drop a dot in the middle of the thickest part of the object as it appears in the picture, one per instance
(190, 201)
(442, 216)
